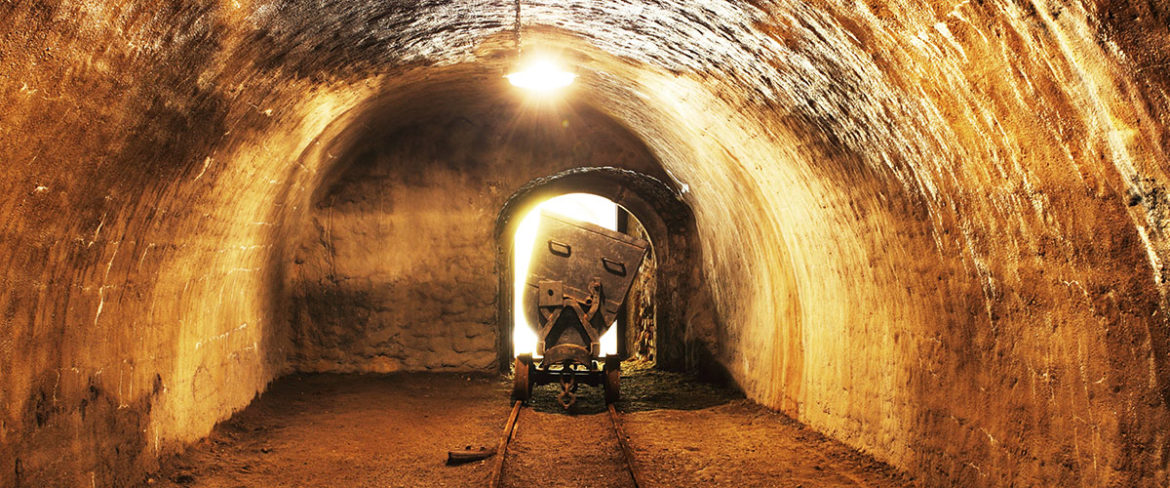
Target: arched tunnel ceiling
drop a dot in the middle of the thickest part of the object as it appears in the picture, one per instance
(935, 231)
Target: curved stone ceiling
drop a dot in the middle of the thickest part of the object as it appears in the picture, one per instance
(935, 231)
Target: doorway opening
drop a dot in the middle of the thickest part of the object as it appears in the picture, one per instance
(631, 336)
(682, 317)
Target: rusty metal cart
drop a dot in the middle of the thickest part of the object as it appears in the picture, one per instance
(578, 277)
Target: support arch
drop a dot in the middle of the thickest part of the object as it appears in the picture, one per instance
(667, 219)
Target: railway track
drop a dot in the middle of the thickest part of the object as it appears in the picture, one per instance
(497, 475)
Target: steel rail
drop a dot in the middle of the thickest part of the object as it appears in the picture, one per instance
(502, 451)
(510, 432)
(627, 453)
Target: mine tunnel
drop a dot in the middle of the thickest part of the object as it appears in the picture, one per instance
(274, 243)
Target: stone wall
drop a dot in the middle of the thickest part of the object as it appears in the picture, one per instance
(640, 307)
(935, 231)
(395, 269)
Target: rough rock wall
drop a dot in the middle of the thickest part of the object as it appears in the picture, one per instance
(640, 340)
(933, 230)
(970, 282)
(396, 269)
(135, 237)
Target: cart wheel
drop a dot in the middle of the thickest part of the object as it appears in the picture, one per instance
(521, 382)
(613, 380)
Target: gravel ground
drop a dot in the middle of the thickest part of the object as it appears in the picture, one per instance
(395, 430)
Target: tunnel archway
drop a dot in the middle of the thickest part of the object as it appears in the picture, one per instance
(391, 256)
(950, 235)
(668, 221)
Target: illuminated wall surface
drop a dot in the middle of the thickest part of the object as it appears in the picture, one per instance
(935, 231)
(579, 206)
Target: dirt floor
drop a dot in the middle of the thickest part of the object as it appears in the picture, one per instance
(395, 431)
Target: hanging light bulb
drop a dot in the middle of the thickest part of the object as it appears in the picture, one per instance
(541, 77)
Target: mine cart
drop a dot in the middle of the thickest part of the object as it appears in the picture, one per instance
(578, 277)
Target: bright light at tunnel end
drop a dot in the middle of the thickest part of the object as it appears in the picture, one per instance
(580, 206)
(541, 77)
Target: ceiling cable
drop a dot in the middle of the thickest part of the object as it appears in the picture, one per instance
(516, 27)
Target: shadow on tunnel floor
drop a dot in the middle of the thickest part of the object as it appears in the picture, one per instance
(643, 389)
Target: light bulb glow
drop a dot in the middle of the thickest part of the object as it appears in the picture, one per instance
(541, 77)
